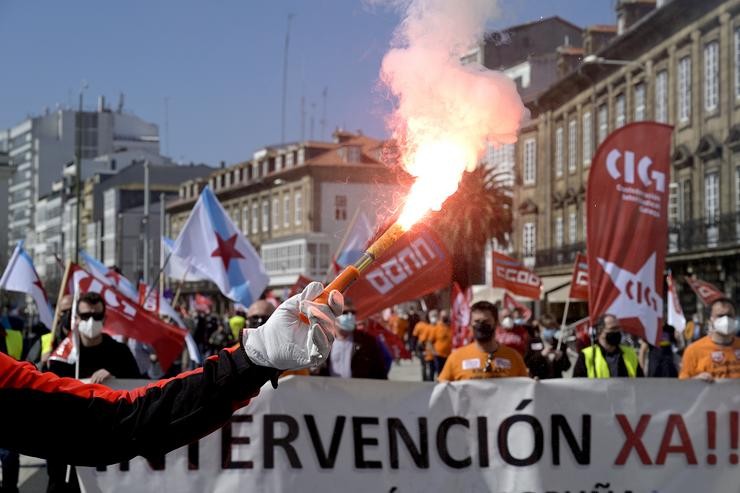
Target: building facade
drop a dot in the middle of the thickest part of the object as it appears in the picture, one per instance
(677, 62)
(294, 202)
(41, 146)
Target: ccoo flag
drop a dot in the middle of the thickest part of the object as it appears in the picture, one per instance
(20, 276)
(627, 202)
(215, 247)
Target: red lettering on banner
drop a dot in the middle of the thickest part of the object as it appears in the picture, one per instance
(633, 440)
(685, 447)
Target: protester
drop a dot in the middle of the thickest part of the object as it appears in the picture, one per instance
(237, 322)
(205, 325)
(608, 357)
(440, 339)
(223, 337)
(256, 316)
(421, 334)
(543, 359)
(512, 331)
(399, 324)
(100, 358)
(716, 355)
(11, 344)
(484, 357)
(355, 354)
(94, 425)
(662, 361)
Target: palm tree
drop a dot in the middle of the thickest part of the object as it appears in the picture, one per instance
(479, 211)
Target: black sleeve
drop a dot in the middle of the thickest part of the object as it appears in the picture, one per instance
(579, 369)
(126, 365)
(97, 425)
(564, 361)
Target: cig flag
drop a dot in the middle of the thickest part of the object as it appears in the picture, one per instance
(177, 268)
(675, 312)
(210, 242)
(579, 281)
(627, 201)
(109, 276)
(21, 276)
(513, 276)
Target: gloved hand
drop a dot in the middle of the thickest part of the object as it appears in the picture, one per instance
(286, 342)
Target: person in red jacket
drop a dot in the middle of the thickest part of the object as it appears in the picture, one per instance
(109, 426)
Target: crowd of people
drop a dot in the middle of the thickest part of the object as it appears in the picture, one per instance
(498, 343)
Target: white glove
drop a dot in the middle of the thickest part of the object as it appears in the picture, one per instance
(286, 342)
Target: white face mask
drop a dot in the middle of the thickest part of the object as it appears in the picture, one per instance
(724, 325)
(507, 323)
(347, 322)
(90, 328)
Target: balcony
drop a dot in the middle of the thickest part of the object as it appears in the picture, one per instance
(720, 231)
(565, 255)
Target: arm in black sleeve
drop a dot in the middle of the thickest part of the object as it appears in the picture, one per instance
(108, 426)
(579, 369)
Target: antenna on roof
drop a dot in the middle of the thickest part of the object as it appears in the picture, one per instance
(119, 109)
(285, 78)
(322, 122)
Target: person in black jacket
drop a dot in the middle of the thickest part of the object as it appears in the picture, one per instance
(355, 354)
(109, 426)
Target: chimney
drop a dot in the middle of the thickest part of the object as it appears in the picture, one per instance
(223, 164)
(629, 12)
(101, 104)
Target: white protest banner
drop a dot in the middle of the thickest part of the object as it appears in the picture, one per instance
(508, 435)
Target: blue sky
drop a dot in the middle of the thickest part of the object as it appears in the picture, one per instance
(218, 64)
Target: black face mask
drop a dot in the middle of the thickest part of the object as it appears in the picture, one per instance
(613, 338)
(482, 331)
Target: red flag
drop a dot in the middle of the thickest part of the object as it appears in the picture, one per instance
(706, 292)
(151, 304)
(203, 303)
(511, 275)
(394, 343)
(627, 203)
(579, 281)
(124, 317)
(511, 304)
(299, 285)
(417, 264)
(460, 314)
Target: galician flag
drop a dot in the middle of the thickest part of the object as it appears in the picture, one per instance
(21, 276)
(355, 241)
(178, 268)
(215, 247)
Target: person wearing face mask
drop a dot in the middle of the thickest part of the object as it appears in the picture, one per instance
(354, 354)
(608, 357)
(484, 357)
(543, 357)
(100, 358)
(716, 355)
(512, 331)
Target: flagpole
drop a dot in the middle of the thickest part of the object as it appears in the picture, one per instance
(562, 324)
(162, 221)
(60, 295)
(179, 285)
(150, 288)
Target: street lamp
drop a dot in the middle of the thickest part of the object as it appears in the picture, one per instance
(605, 61)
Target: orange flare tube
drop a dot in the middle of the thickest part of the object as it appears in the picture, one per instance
(352, 272)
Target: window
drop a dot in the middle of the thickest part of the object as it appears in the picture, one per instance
(572, 146)
(340, 207)
(275, 213)
(587, 131)
(298, 208)
(558, 232)
(737, 63)
(639, 102)
(255, 218)
(684, 89)
(559, 152)
(685, 200)
(661, 97)
(711, 197)
(572, 227)
(619, 117)
(286, 211)
(530, 162)
(245, 219)
(674, 206)
(289, 160)
(603, 122)
(711, 76)
(265, 216)
(278, 163)
(528, 240)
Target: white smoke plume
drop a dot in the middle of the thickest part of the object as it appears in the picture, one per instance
(440, 101)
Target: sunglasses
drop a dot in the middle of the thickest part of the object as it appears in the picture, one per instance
(351, 312)
(94, 315)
